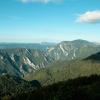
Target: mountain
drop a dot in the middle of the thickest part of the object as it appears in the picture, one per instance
(24, 60)
(73, 50)
(11, 85)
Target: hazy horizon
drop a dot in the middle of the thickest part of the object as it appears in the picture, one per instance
(41, 42)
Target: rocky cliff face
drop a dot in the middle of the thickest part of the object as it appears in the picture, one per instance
(73, 50)
(22, 61)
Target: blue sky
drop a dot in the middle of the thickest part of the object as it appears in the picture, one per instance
(49, 20)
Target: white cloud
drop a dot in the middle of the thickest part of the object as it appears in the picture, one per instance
(40, 1)
(89, 17)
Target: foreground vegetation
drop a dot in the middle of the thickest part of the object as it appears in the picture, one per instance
(84, 88)
(11, 86)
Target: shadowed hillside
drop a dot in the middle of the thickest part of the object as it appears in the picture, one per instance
(85, 88)
(95, 57)
(10, 86)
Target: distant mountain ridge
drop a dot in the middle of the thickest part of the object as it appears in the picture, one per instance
(42, 45)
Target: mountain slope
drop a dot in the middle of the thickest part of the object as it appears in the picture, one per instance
(19, 62)
(10, 86)
(64, 70)
(70, 50)
(84, 88)
(95, 57)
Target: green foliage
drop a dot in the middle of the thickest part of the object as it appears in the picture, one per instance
(84, 88)
(61, 71)
(10, 86)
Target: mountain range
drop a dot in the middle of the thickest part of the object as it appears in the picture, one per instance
(24, 59)
(29, 72)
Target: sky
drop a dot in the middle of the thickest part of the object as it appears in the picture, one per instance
(31, 21)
